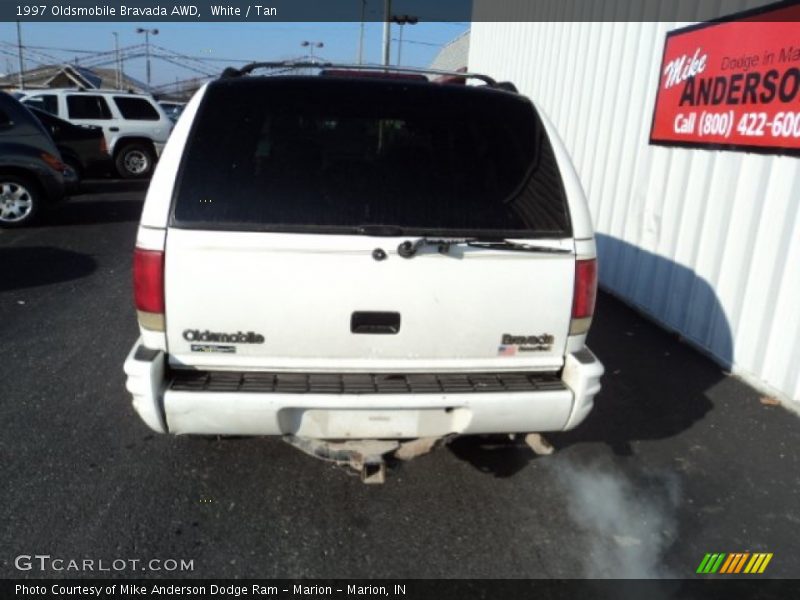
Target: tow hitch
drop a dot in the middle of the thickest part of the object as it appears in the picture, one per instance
(367, 457)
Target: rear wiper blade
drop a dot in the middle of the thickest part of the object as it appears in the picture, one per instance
(408, 248)
(515, 246)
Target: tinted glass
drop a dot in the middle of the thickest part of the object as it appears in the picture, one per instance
(45, 102)
(87, 107)
(317, 154)
(45, 117)
(136, 108)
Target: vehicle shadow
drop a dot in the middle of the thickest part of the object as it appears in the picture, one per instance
(31, 266)
(655, 385)
(109, 186)
(86, 210)
(497, 455)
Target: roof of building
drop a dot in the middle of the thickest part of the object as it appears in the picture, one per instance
(64, 75)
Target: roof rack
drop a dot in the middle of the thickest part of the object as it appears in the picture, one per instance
(290, 65)
(89, 90)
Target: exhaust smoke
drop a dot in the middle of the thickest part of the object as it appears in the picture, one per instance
(628, 525)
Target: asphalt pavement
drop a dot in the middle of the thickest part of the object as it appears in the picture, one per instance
(677, 460)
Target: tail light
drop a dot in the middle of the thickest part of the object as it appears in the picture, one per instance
(103, 145)
(53, 162)
(584, 296)
(148, 287)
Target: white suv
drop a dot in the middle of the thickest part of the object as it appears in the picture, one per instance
(135, 126)
(341, 258)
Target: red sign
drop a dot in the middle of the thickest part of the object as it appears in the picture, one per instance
(733, 84)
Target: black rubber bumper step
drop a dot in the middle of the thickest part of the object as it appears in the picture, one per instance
(351, 383)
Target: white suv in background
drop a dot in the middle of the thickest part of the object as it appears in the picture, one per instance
(363, 265)
(135, 126)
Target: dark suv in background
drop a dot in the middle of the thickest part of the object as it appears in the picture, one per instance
(83, 148)
(32, 172)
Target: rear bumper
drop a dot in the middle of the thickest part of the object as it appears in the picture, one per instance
(369, 414)
(99, 166)
(71, 180)
(52, 183)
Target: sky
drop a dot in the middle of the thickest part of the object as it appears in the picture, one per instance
(244, 40)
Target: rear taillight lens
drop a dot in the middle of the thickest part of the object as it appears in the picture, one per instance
(584, 296)
(103, 145)
(53, 162)
(148, 287)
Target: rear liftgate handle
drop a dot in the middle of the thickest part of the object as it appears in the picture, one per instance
(375, 322)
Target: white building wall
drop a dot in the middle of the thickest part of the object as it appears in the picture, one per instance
(705, 242)
(453, 55)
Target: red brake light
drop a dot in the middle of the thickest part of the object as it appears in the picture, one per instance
(53, 162)
(148, 280)
(585, 289)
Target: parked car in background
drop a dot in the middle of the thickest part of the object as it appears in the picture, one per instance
(82, 147)
(135, 126)
(173, 109)
(32, 174)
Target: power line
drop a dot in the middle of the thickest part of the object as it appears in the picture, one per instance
(70, 50)
(35, 53)
(15, 54)
(41, 56)
(125, 51)
(405, 41)
(182, 56)
(175, 62)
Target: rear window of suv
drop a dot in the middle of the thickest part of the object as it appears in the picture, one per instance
(137, 109)
(323, 155)
(82, 106)
(45, 102)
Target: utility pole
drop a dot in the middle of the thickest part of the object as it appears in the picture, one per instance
(387, 40)
(361, 34)
(121, 71)
(400, 45)
(116, 60)
(147, 33)
(21, 62)
(402, 20)
(311, 46)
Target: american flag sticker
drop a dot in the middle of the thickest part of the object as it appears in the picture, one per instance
(507, 351)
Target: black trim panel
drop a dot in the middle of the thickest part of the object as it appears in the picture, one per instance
(363, 383)
(584, 357)
(145, 354)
